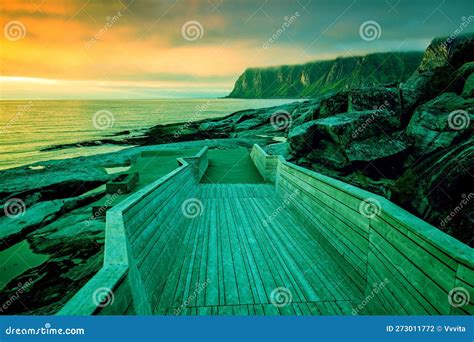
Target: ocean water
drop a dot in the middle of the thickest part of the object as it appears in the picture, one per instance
(27, 127)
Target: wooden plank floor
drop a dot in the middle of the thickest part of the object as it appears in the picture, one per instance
(247, 255)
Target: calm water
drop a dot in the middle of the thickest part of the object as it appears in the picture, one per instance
(26, 127)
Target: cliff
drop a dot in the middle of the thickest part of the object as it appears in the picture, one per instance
(317, 78)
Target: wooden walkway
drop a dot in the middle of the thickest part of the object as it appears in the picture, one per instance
(246, 254)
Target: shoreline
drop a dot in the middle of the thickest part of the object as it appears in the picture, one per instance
(128, 127)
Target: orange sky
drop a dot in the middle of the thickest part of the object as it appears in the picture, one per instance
(58, 45)
(47, 48)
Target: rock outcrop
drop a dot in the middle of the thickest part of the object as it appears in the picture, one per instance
(411, 143)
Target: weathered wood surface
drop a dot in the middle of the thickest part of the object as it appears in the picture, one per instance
(418, 265)
(239, 251)
(300, 238)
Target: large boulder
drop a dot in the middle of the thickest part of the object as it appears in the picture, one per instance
(357, 125)
(26, 218)
(439, 122)
(377, 147)
(63, 180)
(334, 104)
(439, 189)
(326, 153)
(337, 139)
(306, 113)
(300, 138)
(375, 98)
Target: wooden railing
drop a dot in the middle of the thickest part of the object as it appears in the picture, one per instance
(379, 244)
(140, 239)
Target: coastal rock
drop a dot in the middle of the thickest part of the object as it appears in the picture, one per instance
(341, 139)
(300, 138)
(357, 125)
(439, 189)
(340, 129)
(305, 114)
(409, 152)
(377, 147)
(447, 51)
(223, 125)
(334, 104)
(63, 181)
(57, 235)
(437, 123)
(441, 70)
(327, 153)
(375, 98)
(74, 243)
(461, 79)
(252, 123)
(468, 90)
(14, 228)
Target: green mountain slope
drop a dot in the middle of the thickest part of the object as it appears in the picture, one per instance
(316, 78)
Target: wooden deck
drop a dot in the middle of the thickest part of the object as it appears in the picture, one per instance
(244, 247)
(252, 248)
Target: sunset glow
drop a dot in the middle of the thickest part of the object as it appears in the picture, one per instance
(102, 48)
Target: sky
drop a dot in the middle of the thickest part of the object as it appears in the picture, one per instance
(135, 49)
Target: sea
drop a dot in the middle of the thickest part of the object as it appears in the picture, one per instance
(27, 127)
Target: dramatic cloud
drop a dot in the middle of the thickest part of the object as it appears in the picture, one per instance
(151, 48)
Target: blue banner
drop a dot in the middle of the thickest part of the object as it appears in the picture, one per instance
(248, 329)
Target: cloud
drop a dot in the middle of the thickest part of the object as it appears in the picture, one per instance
(73, 40)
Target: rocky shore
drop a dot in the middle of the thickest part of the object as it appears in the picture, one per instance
(411, 142)
(50, 205)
